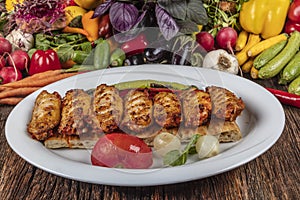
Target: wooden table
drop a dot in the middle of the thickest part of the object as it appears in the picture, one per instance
(273, 175)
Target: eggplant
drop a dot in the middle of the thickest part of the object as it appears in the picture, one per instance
(136, 59)
(182, 57)
(157, 55)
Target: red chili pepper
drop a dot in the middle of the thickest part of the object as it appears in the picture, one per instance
(105, 28)
(136, 45)
(43, 61)
(285, 97)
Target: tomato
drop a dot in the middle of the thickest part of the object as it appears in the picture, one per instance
(121, 150)
(294, 11)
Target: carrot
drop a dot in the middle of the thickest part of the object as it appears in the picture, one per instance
(41, 75)
(39, 81)
(17, 92)
(11, 100)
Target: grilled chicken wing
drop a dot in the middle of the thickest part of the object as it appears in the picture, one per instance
(45, 115)
(77, 115)
(196, 106)
(138, 109)
(226, 105)
(167, 109)
(108, 107)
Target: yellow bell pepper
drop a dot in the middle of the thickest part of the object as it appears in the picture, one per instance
(73, 12)
(265, 17)
(88, 4)
(9, 4)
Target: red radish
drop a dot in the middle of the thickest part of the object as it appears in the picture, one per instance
(20, 59)
(226, 38)
(9, 74)
(5, 46)
(2, 62)
(206, 40)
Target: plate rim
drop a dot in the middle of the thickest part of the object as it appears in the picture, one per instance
(134, 177)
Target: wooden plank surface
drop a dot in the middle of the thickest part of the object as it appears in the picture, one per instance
(273, 175)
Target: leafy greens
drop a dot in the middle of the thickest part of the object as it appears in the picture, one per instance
(172, 16)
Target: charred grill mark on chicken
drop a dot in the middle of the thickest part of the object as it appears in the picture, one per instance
(108, 107)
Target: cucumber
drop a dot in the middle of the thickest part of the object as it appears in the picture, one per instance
(268, 54)
(274, 66)
(294, 86)
(291, 71)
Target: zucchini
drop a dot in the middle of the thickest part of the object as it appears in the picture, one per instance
(265, 44)
(268, 54)
(294, 86)
(291, 71)
(241, 40)
(274, 66)
(102, 55)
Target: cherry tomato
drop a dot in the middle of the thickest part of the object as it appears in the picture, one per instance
(294, 11)
(121, 150)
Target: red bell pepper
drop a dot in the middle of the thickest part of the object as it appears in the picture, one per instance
(136, 45)
(291, 26)
(294, 11)
(293, 18)
(43, 61)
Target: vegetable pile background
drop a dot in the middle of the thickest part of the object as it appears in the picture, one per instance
(44, 41)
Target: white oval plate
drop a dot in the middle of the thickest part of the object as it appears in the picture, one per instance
(261, 123)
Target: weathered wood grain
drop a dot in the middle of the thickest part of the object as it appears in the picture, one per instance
(273, 175)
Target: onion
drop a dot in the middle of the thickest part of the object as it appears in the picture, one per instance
(207, 146)
(166, 142)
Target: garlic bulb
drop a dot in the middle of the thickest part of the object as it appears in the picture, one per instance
(20, 40)
(221, 60)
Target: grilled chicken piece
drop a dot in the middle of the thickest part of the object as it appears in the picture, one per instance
(167, 109)
(77, 115)
(196, 106)
(226, 105)
(138, 110)
(108, 107)
(45, 115)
